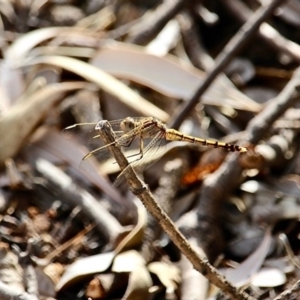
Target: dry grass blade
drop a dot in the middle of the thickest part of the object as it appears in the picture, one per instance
(105, 81)
(19, 49)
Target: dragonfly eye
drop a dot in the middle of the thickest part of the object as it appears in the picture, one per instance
(128, 124)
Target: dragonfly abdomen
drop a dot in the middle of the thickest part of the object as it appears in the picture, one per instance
(174, 135)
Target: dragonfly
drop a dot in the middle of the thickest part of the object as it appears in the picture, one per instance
(141, 139)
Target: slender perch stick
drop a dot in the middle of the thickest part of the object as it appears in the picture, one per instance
(143, 193)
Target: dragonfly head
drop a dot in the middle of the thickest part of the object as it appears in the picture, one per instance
(128, 124)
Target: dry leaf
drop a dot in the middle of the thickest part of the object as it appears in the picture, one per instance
(168, 274)
(127, 261)
(268, 278)
(85, 267)
(133, 63)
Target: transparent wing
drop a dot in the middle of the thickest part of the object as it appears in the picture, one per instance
(86, 132)
(151, 153)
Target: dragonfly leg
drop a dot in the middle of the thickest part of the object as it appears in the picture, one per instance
(140, 153)
(128, 142)
(144, 132)
(141, 147)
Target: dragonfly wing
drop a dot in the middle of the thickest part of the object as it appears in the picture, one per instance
(88, 136)
(151, 153)
(130, 142)
(103, 154)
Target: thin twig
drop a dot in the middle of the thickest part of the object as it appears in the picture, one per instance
(77, 239)
(232, 48)
(143, 193)
(259, 125)
(288, 294)
(192, 42)
(153, 22)
(266, 32)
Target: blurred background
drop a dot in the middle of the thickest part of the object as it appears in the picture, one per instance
(66, 230)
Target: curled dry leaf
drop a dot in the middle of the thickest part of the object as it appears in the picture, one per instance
(139, 284)
(127, 261)
(240, 71)
(139, 278)
(85, 267)
(100, 286)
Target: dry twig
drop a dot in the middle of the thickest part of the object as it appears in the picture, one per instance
(232, 48)
(144, 31)
(267, 33)
(143, 193)
(290, 293)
